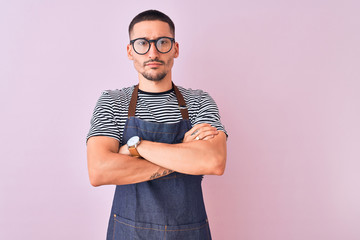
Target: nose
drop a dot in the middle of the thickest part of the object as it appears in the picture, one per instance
(153, 52)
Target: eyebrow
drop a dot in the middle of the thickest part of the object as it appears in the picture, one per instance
(152, 39)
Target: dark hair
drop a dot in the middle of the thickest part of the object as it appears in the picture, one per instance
(152, 15)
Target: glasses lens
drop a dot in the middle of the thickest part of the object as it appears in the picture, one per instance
(141, 46)
(164, 45)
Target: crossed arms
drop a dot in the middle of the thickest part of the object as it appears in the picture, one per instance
(109, 164)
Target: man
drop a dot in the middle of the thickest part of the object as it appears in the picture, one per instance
(155, 141)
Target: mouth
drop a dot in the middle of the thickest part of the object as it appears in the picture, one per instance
(153, 64)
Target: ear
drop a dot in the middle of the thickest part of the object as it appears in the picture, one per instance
(176, 48)
(129, 52)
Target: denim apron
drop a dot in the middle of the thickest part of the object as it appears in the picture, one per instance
(170, 207)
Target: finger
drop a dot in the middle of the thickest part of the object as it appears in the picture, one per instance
(204, 134)
(195, 132)
(208, 137)
(202, 128)
(198, 126)
(195, 128)
(208, 128)
(189, 135)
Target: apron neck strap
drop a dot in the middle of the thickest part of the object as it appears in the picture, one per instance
(133, 101)
(181, 102)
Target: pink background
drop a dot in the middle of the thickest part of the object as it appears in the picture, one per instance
(285, 75)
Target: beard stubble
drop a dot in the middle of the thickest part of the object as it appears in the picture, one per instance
(157, 77)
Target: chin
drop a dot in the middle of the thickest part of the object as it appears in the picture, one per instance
(155, 78)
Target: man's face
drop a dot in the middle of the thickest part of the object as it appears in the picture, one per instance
(153, 65)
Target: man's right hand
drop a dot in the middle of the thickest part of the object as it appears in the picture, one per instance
(124, 150)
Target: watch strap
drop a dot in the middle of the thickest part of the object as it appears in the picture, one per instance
(134, 152)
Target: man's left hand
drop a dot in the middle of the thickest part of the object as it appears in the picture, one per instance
(202, 131)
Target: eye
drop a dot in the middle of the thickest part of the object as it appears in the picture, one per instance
(141, 42)
(163, 41)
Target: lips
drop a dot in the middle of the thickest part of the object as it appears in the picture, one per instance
(153, 64)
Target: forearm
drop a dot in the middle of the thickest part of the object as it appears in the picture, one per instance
(109, 167)
(197, 157)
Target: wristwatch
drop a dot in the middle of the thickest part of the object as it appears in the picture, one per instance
(132, 143)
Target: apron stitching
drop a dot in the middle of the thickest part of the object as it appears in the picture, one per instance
(178, 230)
(190, 229)
(114, 229)
(129, 225)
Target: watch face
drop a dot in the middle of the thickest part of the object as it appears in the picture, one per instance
(133, 140)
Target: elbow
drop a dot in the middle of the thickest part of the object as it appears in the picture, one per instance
(95, 178)
(218, 167)
(96, 175)
(218, 157)
(219, 170)
(94, 181)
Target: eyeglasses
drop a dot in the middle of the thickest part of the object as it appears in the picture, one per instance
(142, 46)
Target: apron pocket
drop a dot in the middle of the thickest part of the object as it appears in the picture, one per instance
(195, 231)
(125, 229)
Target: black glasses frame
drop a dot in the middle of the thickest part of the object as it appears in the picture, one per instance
(172, 40)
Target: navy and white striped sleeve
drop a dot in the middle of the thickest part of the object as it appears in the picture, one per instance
(208, 112)
(103, 121)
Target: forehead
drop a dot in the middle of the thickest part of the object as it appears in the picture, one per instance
(151, 30)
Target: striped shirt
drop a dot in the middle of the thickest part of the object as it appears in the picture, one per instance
(111, 111)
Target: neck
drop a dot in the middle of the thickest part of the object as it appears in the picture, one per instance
(155, 86)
